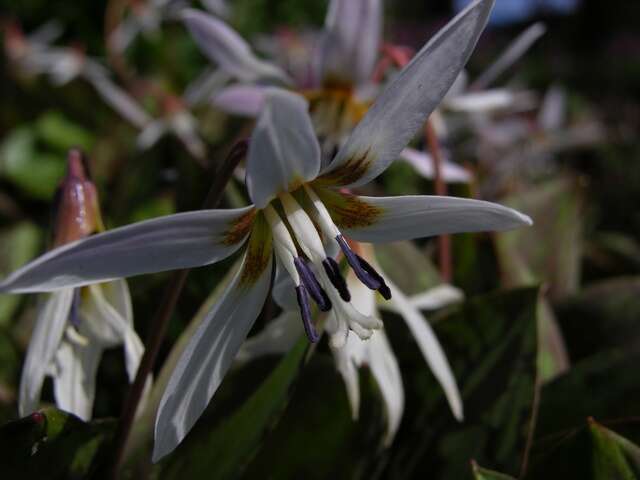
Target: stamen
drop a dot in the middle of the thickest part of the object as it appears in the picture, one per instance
(312, 285)
(335, 277)
(384, 289)
(363, 270)
(74, 316)
(305, 312)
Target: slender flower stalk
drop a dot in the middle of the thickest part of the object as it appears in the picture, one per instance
(75, 325)
(298, 209)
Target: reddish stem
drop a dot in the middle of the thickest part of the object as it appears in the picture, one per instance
(445, 259)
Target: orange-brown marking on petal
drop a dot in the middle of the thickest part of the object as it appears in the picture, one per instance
(239, 228)
(259, 250)
(348, 211)
(351, 171)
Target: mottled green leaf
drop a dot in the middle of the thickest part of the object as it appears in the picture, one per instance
(58, 132)
(52, 444)
(491, 343)
(602, 316)
(224, 451)
(480, 473)
(18, 245)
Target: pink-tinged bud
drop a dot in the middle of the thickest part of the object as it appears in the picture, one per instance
(77, 213)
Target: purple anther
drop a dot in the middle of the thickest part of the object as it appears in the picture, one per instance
(74, 313)
(305, 312)
(312, 285)
(335, 277)
(384, 289)
(355, 262)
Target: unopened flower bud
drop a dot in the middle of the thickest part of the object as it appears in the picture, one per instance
(76, 210)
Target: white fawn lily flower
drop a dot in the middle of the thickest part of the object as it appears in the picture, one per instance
(338, 71)
(75, 325)
(376, 352)
(296, 205)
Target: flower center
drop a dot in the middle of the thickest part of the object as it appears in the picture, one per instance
(299, 248)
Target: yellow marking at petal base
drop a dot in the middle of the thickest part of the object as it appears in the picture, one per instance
(351, 171)
(239, 228)
(348, 211)
(259, 249)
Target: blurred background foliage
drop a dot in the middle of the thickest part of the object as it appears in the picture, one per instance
(545, 348)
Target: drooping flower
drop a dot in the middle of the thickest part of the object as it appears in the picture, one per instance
(296, 205)
(376, 352)
(74, 325)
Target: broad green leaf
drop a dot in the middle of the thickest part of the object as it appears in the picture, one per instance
(52, 444)
(609, 460)
(224, 451)
(590, 452)
(318, 433)
(551, 250)
(480, 473)
(18, 245)
(491, 343)
(35, 172)
(58, 132)
(602, 316)
(605, 387)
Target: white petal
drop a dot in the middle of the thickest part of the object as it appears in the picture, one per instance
(120, 101)
(553, 111)
(348, 358)
(352, 38)
(414, 216)
(284, 151)
(386, 372)
(283, 289)
(207, 358)
(278, 337)
(225, 47)
(246, 100)
(437, 297)
(118, 295)
(410, 98)
(183, 240)
(430, 348)
(111, 328)
(513, 53)
(484, 101)
(422, 162)
(51, 322)
(74, 384)
(204, 86)
(151, 133)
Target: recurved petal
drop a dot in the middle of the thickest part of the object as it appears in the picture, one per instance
(45, 339)
(74, 383)
(389, 219)
(408, 100)
(246, 100)
(430, 348)
(422, 163)
(511, 55)
(385, 370)
(212, 349)
(225, 47)
(347, 359)
(183, 240)
(437, 297)
(352, 39)
(284, 151)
